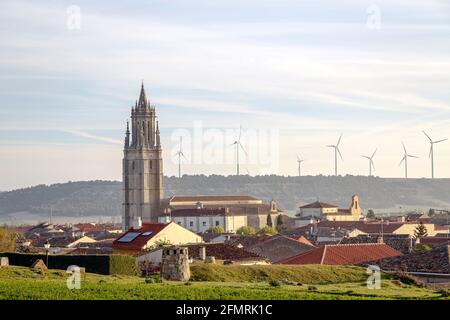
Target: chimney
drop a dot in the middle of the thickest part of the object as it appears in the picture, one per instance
(137, 223)
(202, 253)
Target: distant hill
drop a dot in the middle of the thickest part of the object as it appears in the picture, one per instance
(104, 198)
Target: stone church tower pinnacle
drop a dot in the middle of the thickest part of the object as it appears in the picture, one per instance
(142, 165)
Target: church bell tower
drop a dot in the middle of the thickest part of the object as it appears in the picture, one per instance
(142, 166)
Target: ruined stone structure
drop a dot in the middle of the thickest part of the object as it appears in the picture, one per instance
(4, 262)
(142, 165)
(175, 264)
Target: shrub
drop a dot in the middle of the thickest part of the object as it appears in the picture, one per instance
(102, 264)
(267, 230)
(312, 288)
(405, 278)
(217, 229)
(245, 230)
(422, 248)
(443, 292)
(122, 264)
(275, 283)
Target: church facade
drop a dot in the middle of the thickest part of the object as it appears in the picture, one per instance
(142, 166)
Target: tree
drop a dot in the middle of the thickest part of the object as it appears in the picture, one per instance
(217, 229)
(370, 214)
(420, 231)
(269, 220)
(422, 248)
(267, 230)
(245, 230)
(7, 240)
(279, 222)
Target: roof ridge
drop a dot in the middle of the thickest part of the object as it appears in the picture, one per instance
(323, 254)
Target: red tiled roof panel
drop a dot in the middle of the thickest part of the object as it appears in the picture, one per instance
(344, 254)
(311, 257)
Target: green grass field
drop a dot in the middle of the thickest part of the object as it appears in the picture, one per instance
(229, 282)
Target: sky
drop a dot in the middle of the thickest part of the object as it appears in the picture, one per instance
(293, 74)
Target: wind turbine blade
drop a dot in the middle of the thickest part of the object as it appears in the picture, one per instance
(340, 137)
(242, 147)
(298, 158)
(404, 148)
(373, 165)
(411, 156)
(403, 159)
(366, 157)
(373, 154)
(440, 141)
(182, 154)
(331, 146)
(240, 132)
(340, 155)
(431, 151)
(427, 136)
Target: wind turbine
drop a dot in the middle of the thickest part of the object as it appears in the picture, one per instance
(431, 155)
(238, 144)
(299, 165)
(180, 154)
(336, 152)
(405, 159)
(371, 165)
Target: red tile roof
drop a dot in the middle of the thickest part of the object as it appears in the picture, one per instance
(318, 204)
(344, 254)
(140, 241)
(303, 240)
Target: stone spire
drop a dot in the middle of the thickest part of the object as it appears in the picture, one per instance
(158, 139)
(142, 104)
(127, 136)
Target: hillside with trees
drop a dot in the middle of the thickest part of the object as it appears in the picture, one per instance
(104, 197)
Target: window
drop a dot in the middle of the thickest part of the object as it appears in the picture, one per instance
(204, 223)
(191, 223)
(217, 223)
(151, 164)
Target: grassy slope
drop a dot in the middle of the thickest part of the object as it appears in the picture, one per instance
(24, 283)
(310, 274)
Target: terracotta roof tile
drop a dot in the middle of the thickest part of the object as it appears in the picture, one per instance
(344, 254)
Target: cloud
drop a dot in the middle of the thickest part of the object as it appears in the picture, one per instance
(92, 136)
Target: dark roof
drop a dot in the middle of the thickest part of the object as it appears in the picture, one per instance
(433, 261)
(347, 254)
(141, 240)
(402, 243)
(222, 251)
(318, 204)
(434, 241)
(212, 198)
(279, 247)
(246, 240)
